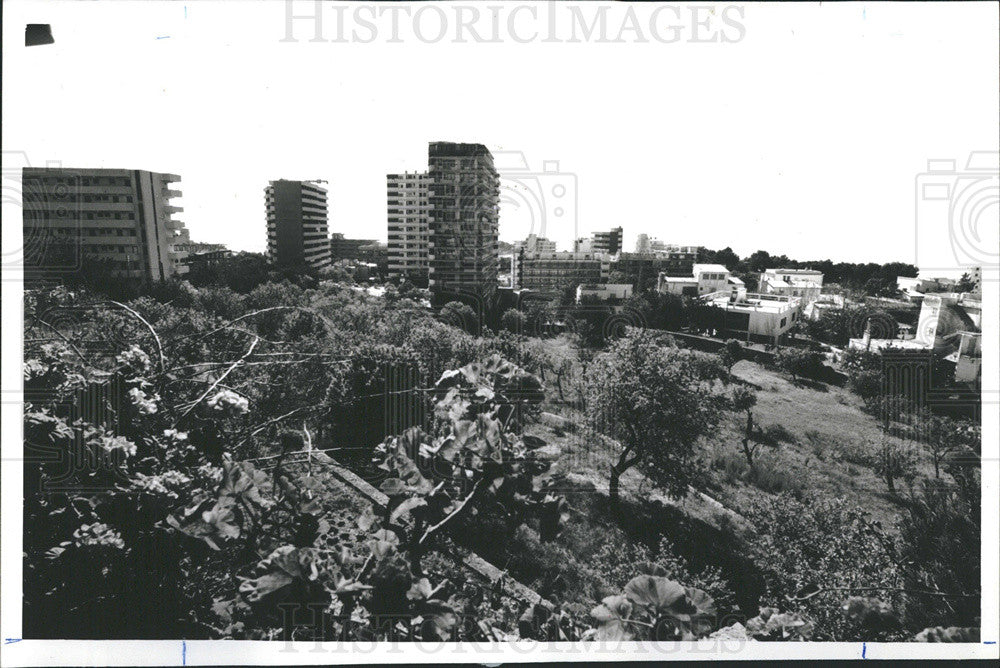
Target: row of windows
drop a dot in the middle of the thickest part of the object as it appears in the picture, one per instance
(115, 248)
(67, 214)
(92, 232)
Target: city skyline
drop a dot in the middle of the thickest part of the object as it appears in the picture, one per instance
(712, 157)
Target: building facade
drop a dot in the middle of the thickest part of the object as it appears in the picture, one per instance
(603, 292)
(609, 242)
(804, 283)
(119, 219)
(753, 318)
(408, 210)
(533, 242)
(297, 231)
(464, 196)
(705, 280)
(553, 272)
(642, 269)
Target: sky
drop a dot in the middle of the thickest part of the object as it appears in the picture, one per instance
(802, 129)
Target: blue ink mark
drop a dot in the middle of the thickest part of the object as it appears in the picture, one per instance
(8, 641)
(164, 37)
(184, 652)
(989, 642)
(864, 650)
(185, 11)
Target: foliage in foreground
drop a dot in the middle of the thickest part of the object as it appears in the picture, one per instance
(195, 497)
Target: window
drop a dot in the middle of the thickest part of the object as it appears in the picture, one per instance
(783, 320)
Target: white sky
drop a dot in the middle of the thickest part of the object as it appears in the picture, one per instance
(804, 138)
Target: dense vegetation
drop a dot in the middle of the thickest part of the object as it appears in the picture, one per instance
(182, 451)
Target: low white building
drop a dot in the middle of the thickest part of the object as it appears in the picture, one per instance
(603, 291)
(804, 283)
(968, 358)
(826, 302)
(706, 279)
(752, 317)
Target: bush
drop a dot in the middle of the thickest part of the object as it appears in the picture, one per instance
(620, 562)
(731, 353)
(816, 543)
(513, 321)
(868, 386)
(768, 474)
(799, 363)
(776, 433)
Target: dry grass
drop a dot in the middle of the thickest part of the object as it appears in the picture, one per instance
(831, 432)
(824, 435)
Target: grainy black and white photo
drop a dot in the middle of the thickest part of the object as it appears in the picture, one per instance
(491, 332)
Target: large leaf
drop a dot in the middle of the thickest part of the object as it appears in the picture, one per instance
(610, 616)
(658, 593)
(279, 570)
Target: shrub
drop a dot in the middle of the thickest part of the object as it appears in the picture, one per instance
(799, 363)
(731, 353)
(768, 475)
(776, 433)
(868, 386)
(513, 321)
(808, 545)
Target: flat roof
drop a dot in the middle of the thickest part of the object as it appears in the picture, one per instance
(710, 267)
(811, 272)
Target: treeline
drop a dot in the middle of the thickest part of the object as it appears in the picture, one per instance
(869, 277)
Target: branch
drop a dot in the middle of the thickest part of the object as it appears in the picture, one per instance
(68, 342)
(267, 424)
(476, 492)
(918, 592)
(156, 338)
(220, 379)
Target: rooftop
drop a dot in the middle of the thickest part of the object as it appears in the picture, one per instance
(752, 302)
(717, 268)
(800, 272)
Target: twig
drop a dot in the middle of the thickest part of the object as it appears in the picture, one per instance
(267, 424)
(66, 339)
(220, 379)
(156, 337)
(895, 589)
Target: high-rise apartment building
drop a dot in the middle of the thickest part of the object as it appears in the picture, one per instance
(554, 272)
(464, 194)
(120, 219)
(297, 223)
(607, 242)
(408, 198)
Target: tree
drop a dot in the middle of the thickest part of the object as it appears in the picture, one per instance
(744, 399)
(945, 437)
(799, 362)
(894, 459)
(656, 402)
(730, 354)
(459, 315)
(868, 386)
(513, 321)
(965, 284)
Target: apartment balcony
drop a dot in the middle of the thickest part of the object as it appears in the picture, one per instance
(171, 193)
(173, 209)
(169, 178)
